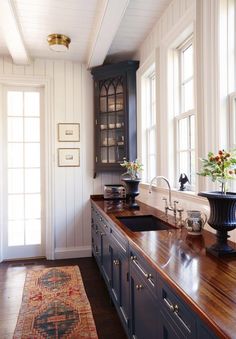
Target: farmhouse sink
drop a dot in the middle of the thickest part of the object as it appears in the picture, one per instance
(143, 223)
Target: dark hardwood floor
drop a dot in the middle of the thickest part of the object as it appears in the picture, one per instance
(12, 277)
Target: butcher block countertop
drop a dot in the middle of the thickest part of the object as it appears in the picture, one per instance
(207, 284)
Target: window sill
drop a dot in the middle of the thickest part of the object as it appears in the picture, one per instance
(182, 195)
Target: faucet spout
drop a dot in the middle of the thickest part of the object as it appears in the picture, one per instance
(168, 184)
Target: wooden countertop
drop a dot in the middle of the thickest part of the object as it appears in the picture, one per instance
(206, 283)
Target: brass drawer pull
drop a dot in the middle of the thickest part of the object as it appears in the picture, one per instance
(116, 262)
(175, 310)
(139, 287)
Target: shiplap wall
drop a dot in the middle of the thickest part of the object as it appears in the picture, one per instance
(72, 101)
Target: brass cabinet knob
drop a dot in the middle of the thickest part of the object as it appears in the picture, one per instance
(139, 287)
(116, 262)
(133, 257)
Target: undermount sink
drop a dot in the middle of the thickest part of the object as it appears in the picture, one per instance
(143, 223)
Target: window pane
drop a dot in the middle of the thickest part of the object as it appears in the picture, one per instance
(15, 233)
(32, 155)
(32, 129)
(32, 232)
(188, 62)
(152, 141)
(192, 166)
(188, 96)
(15, 181)
(192, 131)
(152, 167)
(183, 165)
(15, 129)
(183, 134)
(14, 103)
(16, 206)
(32, 104)
(15, 155)
(32, 180)
(32, 206)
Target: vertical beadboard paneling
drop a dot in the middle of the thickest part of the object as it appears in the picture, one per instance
(70, 172)
(78, 178)
(39, 67)
(60, 172)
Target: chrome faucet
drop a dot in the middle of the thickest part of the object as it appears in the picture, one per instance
(168, 206)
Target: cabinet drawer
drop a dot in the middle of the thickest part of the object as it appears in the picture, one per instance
(178, 311)
(143, 267)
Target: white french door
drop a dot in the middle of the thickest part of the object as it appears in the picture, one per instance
(23, 228)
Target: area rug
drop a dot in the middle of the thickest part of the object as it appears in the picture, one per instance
(55, 305)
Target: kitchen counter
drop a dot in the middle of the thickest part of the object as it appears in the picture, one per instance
(206, 283)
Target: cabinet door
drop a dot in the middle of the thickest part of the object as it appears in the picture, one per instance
(120, 282)
(144, 309)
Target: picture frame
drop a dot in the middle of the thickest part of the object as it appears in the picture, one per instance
(69, 132)
(68, 157)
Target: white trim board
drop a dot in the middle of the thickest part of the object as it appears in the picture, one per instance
(73, 252)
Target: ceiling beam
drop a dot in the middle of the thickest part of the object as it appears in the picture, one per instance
(111, 13)
(12, 33)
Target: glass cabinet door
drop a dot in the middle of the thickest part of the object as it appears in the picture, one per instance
(111, 120)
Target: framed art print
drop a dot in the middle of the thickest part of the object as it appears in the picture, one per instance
(68, 157)
(68, 132)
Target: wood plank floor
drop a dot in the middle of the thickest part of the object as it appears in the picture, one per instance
(12, 278)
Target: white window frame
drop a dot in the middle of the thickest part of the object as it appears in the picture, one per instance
(148, 121)
(180, 114)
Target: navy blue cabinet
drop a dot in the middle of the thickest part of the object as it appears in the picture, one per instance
(149, 308)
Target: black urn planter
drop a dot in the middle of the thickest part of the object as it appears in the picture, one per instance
(132, 191)
(222, 219)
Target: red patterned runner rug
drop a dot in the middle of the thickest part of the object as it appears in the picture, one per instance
(55, 305)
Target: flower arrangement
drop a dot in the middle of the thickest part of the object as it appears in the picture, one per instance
(220, 167)
(133, 168)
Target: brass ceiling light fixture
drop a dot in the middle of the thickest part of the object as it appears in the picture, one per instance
(58, 42)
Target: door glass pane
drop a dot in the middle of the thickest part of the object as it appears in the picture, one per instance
(112, 157)
(32, 129)
(103, 104)
(32, 180)
(16, 207)
(32, 232)
(32, 206)
(32, 155)
(31, 104)
(15, 155)
(14, 103)
(111, 103)
(192, 131)
(15, 232)
(15, 129)
(15, 181)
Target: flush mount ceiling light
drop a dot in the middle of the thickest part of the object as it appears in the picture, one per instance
(58, 42)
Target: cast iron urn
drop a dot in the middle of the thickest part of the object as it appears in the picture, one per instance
(223, 219)
(132, 191)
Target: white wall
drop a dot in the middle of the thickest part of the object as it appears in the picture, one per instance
(202, 17)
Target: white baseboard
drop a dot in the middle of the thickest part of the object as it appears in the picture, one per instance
(73, 252)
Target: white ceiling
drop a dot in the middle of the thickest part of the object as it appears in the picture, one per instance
(97, 28)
